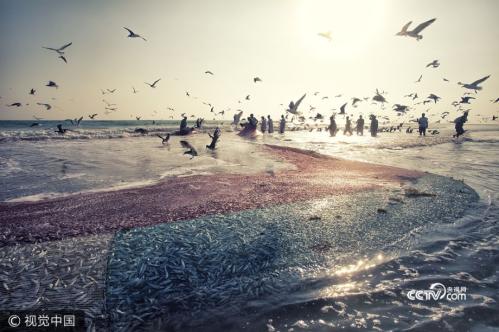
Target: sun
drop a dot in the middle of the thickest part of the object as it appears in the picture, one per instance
(352, 26)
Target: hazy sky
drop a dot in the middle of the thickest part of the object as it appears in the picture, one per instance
(237, 40)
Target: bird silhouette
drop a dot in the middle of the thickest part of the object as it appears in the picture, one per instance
(132, 34)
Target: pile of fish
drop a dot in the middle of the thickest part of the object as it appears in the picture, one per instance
(56, 275)
(202, 272)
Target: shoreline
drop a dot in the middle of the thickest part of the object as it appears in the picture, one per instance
(181, 198)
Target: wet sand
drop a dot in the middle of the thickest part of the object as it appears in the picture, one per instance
(180, 198)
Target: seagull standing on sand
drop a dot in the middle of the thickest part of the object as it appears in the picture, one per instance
(132, 34)
(293, 107)
(475, 85)
(154, 84)
(416, 32)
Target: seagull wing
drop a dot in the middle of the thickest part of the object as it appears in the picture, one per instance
(480, 80)
(63, 47)
(404, 28)
(50, 48)
(423, 25)
(63, 58)
(299, 101)
(159, 79)
(130, 31)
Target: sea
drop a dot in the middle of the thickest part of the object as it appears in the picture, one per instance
(36, 163)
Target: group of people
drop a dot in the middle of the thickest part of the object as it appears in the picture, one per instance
(333, 127)
(458, 124)
(266, 124)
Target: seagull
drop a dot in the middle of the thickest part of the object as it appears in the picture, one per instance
(192, 151)
(474, 85)
(52, 84)
(355, 101)
(379, 97)
(187, 94)
(60, 130)
(47, 106)
(37, 118)
(32, 92)
(111, 91)
(434, 64)
(59, 50)
(495, 101)
(92, 116)
(132, 34)
(446, 80)
(138, 118)
(419, 79)
(247, 97)
(34, 124)
(342, 108)
(466, 100)
(326, 35)
(434, 97)
(257, 79)
(134, 91)
(154, 84)
(208, 72)
(293, 107)
(400, 108)
(15, 104)
(164, 139)
(416, 32)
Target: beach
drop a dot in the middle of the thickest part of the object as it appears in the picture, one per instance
(267, 233)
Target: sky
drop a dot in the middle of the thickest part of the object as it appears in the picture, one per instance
(238, 40)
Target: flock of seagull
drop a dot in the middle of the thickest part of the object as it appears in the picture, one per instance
(297, 116)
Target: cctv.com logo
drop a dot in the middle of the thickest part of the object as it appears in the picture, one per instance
(438, 292)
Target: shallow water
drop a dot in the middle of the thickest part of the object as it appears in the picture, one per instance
(462, 252)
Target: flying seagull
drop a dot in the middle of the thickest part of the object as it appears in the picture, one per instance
(154, 84)
(434, 97)
(111, 91)
(475, 85)
(434, 64)
(32, 92)
(208, 72)
(59, 50)
(342, 108)
(47, 106)
(257, 79)
(326, 35)
(92, 116)
(15, 105)
(400, 108)
(419, 79)
(52, 84)
(355, 101)
(164, 139)
(134, 91)
(132, 34)
(293, 107)
(466, 100)
(416, 32)
(192, 151)
(379, 97)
